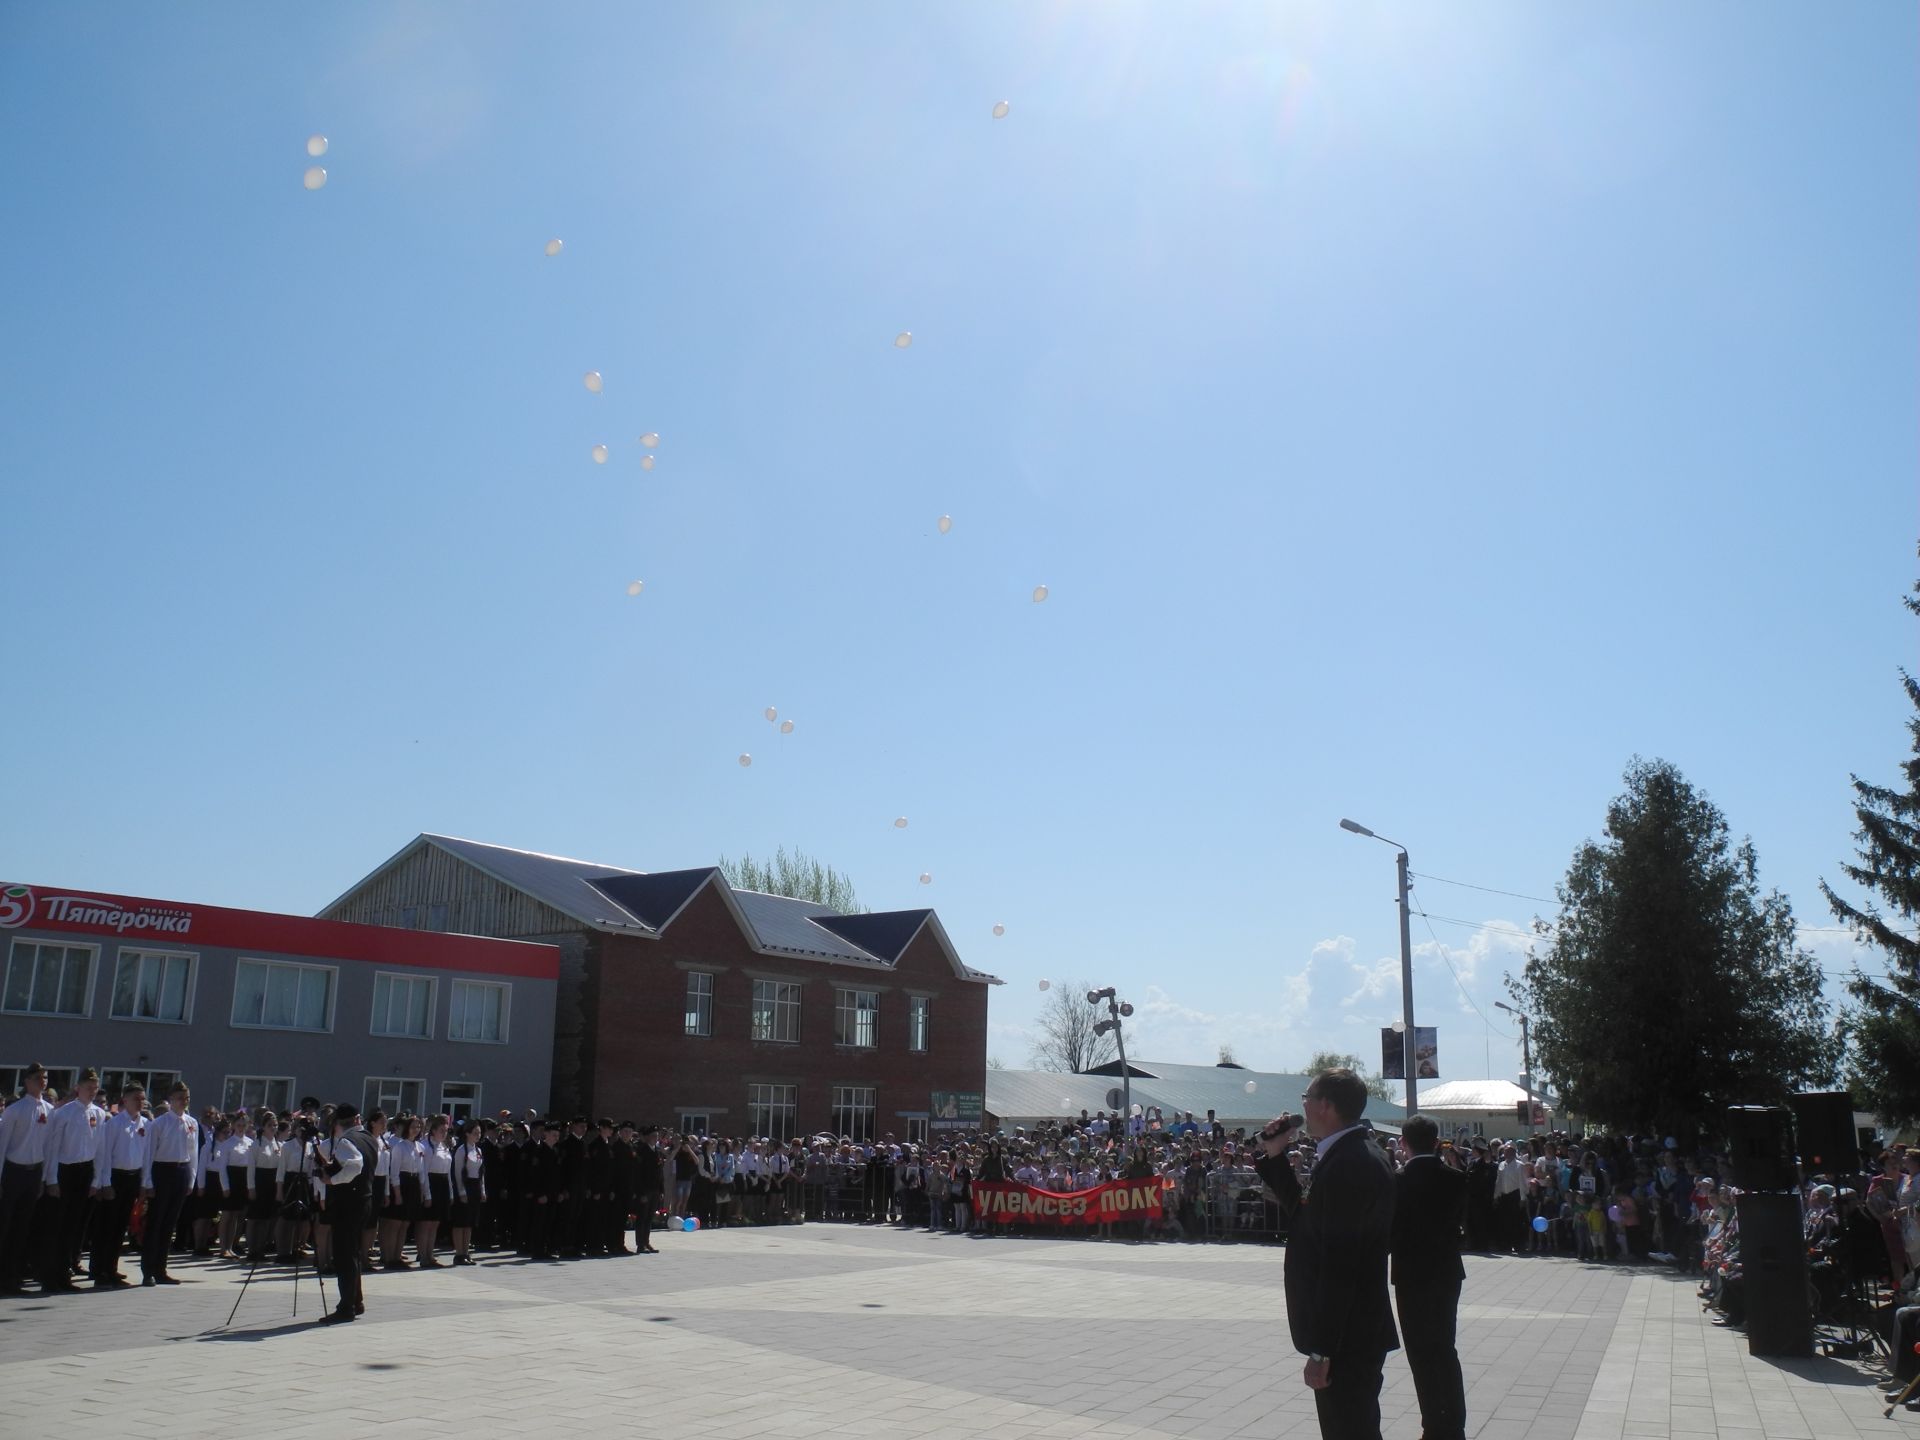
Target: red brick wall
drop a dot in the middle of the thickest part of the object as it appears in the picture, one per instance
(646, 1068)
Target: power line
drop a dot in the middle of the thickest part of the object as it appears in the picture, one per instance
(1467, 885)
(1458, 985)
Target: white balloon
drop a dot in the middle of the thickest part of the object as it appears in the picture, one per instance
(1039, 593)
(900, 823)
(316, 145)
(553, 246)
(650, 439)
(1066, 1105)
(926, 877)
(946, 524)
(1000, 110)
(903, 339)
(634, 587)
(771, 713)
(999, 929)
(592, 381)
(786, 727)
(1250, 1087)
(1046, 985)
(315, 177)
(646, 462)
(1399, 1027)
(1136, 1109)
(745, 760)
(599, 453)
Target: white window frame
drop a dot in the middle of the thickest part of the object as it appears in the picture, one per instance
(373, 1094)
(782, 1003)
(143, 954)
(15, 1076)
(447, 1103)
(332, 972)
(699, 1017)
(694, 1122)
(432, 982)
(229, 1105)
(93, 965)
(506, 1010)
(155, 1082)
(916, 1129)
(843, 1096)
(849, 1015)
(919, 1024)
(762, 1102)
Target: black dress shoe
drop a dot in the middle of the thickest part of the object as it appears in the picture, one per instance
(337, 1317)
(359, 1308)
(167, 1280)
(148, 1280)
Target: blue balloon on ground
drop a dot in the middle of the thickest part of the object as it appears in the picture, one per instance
(1540, 1224)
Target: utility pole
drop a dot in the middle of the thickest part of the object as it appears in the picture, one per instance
(1526, 1058)
(1410, 1049)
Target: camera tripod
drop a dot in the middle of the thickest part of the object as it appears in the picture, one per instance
(254, 1264)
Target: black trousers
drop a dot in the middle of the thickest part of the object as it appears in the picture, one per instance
(643, 1210)
(72, 1208)
(110, 1219)
(1428, 1317)
(19, 1197)
(1509, 1222)
(170, 1186)
(346, 1212)
(1349, 1408)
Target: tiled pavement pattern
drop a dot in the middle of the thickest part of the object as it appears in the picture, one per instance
(836, 1330)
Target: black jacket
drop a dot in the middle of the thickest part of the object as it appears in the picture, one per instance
(1429, 1206)
(1338, 1238)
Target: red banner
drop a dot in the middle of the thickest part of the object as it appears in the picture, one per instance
(1009, 1203)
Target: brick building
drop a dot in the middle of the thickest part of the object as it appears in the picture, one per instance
(682, 999)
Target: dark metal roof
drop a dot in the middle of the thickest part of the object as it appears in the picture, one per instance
(655, 898)
(794, 926)
(885, 934)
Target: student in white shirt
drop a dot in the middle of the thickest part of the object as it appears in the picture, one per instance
(167, 1175)
(436, 1169)
(209, 1183)
(23, 1149)
(116, 1185)
(263, 1176)
(235, 1157)
(73, 1141)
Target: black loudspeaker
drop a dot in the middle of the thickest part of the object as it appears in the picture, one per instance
(1829, 1144)
(1773, 1258)
(1760, 1148)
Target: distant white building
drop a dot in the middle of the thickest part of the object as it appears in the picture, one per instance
(1026, 1097)
(1482, 1107)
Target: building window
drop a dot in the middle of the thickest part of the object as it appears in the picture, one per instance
(152, 985)
(437, 917)
(47, 979)
(395, 1096)
(853, 1112)
(250, 1092)
(919, 1021)
(13, 1080)
(916, 1129)
(479, 1011)
(460, 1099)
(695, 1122)
(776, 1011)
(770, 1110)
(403, 1005)
(699, 1004)
(273, 995)
(156, 1083)
(856, 1018)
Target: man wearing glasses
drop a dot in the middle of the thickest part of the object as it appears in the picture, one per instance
(1339, 1234)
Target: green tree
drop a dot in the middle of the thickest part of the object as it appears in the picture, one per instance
(798, 876)
(1324, 1060)
(1670, 987)
(1882, 1024)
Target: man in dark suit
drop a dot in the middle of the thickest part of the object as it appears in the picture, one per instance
(1429, 1207)
(1340, 1231)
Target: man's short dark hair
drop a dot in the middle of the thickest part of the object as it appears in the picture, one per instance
(1421, 1134)
(345, 1113)
(1343, 1090)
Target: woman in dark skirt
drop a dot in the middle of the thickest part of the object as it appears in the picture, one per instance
(233, 1209)
(403, 1192)
(469, 1191)
(211, 1191)
(436, 1168)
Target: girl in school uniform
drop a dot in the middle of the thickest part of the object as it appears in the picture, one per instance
(469, 1176)
(290, 1183)
(210, 1185)
(436, 1168)
(263, 1170)
(233, 1208)
(403, 1191)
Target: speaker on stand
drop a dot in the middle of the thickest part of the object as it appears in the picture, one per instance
(1773, 1247)
(1829, 1144)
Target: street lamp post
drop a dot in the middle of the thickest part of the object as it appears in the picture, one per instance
(1116, 1008)
(1409, 1048)
(1526, 1057)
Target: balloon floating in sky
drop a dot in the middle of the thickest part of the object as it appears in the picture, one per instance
(650, 439)
(745, 760)
(592, 381)
(999, 929)
(900, 823)
(599, 454)
(786, 727)
(554, 246)
(1250, 1087)
(946, 524)
(903, 339)
(1039, 593)
(1045, 985)
(1000, 110)
(926, 877)
(634, 587)
(315, 177)
(771, 713)
(646, 462)
(316, 145)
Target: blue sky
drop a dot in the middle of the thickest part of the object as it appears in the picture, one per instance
(1415, 412)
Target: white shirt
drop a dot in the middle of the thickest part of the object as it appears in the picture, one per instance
(293, 1159)
(264, 1160)
(405, 1157)
(348, 1154)
(23, 1131)
(171, 1139)
(74, 1133)
(1512, 1179)
(236, 1152)
(436, 1159)
(206, 1158)
(123, 1146)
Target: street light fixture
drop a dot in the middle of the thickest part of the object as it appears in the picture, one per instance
(1526, 1056)
(1117, 1009)
(1409, 1049)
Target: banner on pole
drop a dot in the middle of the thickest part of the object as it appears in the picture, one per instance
(1010, 1203)
(1426, 1053)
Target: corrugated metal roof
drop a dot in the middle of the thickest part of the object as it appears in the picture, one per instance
(1180, 1088)
(789, 925)
(551, 879)
(655, 898)
(1477, 1095)
(885, 933)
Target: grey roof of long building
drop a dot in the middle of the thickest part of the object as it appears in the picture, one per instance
(1035, 1094)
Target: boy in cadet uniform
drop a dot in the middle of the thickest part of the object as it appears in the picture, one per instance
(649, 1183)
(597, 1176)
(23, 1152)
(73, 1144)
(545, 1189)
(624, 1168)
(116, 1185)
(569, 1224)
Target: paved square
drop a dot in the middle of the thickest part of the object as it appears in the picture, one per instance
(849, 1331)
